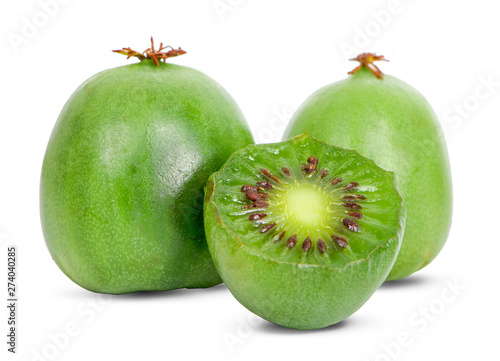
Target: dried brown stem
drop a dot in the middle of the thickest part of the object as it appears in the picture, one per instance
(151, 53)
(366, 60)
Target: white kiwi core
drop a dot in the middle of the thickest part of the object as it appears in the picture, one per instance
(306, 205)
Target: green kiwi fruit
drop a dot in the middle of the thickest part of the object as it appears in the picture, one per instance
(302, 232)
(387, 120)
(121, 190)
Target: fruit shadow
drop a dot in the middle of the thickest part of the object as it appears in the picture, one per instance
(181, 292)
(78, 293)
(411, 281)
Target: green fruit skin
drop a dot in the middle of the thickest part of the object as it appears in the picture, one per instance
(393, 124)
(121, 195)
(295, 296)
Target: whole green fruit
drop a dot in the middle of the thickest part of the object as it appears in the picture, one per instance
(390, 122)
(121, 194)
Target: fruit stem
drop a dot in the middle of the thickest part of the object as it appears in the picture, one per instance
(366, 60)
(151, 53)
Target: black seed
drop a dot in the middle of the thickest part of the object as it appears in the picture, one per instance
(351, 185)
(263, 195)
(291, 241)
(312, 160)
(336, 181)
(341, 241)
(259, 204)
(268, 174)
(267, 227)
(310, 168)
(350, 225)
(248, 187)
(321, 246)
(265, 185)
(254, 196)
(352, 197)
(280, 236)
(351, 205)
(356, 215)
(306, 245)
(286, 171)
(323, 173)
(256, 216)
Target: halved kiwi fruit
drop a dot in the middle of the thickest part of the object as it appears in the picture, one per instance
(302, 232)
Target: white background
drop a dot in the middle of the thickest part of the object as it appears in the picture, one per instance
(270, 55)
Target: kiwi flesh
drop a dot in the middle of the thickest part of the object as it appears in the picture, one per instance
(302, 232)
